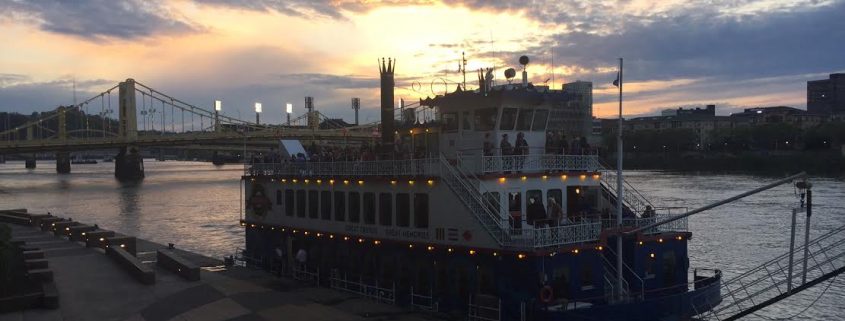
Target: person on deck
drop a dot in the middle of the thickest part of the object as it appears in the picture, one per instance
(536, 213)
(488, 145)
(520, 150)
(506, 150)
(556, 213)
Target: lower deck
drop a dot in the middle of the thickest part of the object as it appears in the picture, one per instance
(466, 281)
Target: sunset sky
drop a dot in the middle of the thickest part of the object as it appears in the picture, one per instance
(733, 53)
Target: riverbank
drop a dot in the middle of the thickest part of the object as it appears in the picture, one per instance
(827, 163)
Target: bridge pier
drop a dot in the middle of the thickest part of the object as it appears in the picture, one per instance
(30, 162)
(63, 163)
(128, 164)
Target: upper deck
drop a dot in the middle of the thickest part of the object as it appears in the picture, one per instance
(430, 167)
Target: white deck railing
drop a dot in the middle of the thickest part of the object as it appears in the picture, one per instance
(409, 167)
(530, 163)
(680, 225)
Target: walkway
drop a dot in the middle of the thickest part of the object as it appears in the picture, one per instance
(93, 287)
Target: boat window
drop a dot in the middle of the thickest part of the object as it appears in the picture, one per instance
(508, 118)
(555, 194)
(649, 267)
(515, 209)
(491, 200)
(536, 194)
(339, 206)
(523, 122)
(450, 121)
(369, 208)
(278, 197)
(300, 203)
(354, 207)
(403, 209)
(465, 121)
(326, 205)
(313, 204)
(560, 282)
(289, 202)
(385, 207)
(485, 119)
(586, 277)
(421, 210)
(540, 118)
(668, 268)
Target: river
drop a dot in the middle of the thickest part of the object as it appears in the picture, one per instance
(195, 206)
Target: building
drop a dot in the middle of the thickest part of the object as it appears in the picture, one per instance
(777, 114)
(827, 96)
(573, 113)
(704, 121)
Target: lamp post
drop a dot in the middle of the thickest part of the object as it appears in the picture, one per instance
(218, 106)
(257, 113)
(289, 110)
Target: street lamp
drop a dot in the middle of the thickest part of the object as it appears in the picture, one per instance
(257, 113)
(289, 110)
(218, 107)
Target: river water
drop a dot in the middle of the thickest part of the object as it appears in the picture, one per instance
(195, 206)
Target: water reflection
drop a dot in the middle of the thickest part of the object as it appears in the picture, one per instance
(195, 205)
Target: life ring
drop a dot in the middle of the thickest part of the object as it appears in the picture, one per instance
(547, 294)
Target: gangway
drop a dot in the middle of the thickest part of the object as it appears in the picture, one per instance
(772, 281)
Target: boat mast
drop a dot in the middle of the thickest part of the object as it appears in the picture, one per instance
(619, 190)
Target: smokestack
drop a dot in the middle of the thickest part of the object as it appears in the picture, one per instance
(387, 84)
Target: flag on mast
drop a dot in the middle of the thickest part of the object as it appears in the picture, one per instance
(616, 82)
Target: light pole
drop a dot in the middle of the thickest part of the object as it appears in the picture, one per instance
(218, 106)
(289, 110)
(257, 113)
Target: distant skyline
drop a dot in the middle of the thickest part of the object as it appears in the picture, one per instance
(732, 53)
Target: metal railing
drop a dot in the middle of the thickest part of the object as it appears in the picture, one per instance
(408, 167)
(302, 272)
(472, 198)
(530, 163)
(565, 234)
(680, 225)
(632, 198)
(357, 285)
(484, 311)
(424, 302)
(772, 280)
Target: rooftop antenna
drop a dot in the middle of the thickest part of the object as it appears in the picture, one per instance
(509, 74)
(523, 60)
(463, 68)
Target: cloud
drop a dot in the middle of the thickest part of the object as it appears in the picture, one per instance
(23, 95)
(99, 19)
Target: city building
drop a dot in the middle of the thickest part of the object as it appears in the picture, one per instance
(572, 111)
(827, 96)
(703, 121)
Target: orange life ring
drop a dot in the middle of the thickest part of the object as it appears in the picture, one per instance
(547, 294)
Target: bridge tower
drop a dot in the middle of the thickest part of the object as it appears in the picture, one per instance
(62, 158)
(30, 135)
(128, 164)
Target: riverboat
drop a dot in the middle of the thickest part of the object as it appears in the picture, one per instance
(463, 227)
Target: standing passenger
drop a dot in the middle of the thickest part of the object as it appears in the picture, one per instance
(507, 151)
(520, 150)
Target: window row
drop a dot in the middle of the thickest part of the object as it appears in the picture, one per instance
(357, 207)
(485, 119)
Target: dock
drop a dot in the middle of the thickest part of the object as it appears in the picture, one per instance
(94, 286)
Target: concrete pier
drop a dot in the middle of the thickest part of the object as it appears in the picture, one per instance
(30, 162)
(128, 164)
(92, 286)
(63, 163)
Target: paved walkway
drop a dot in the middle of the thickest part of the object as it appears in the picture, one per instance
(93, 287)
